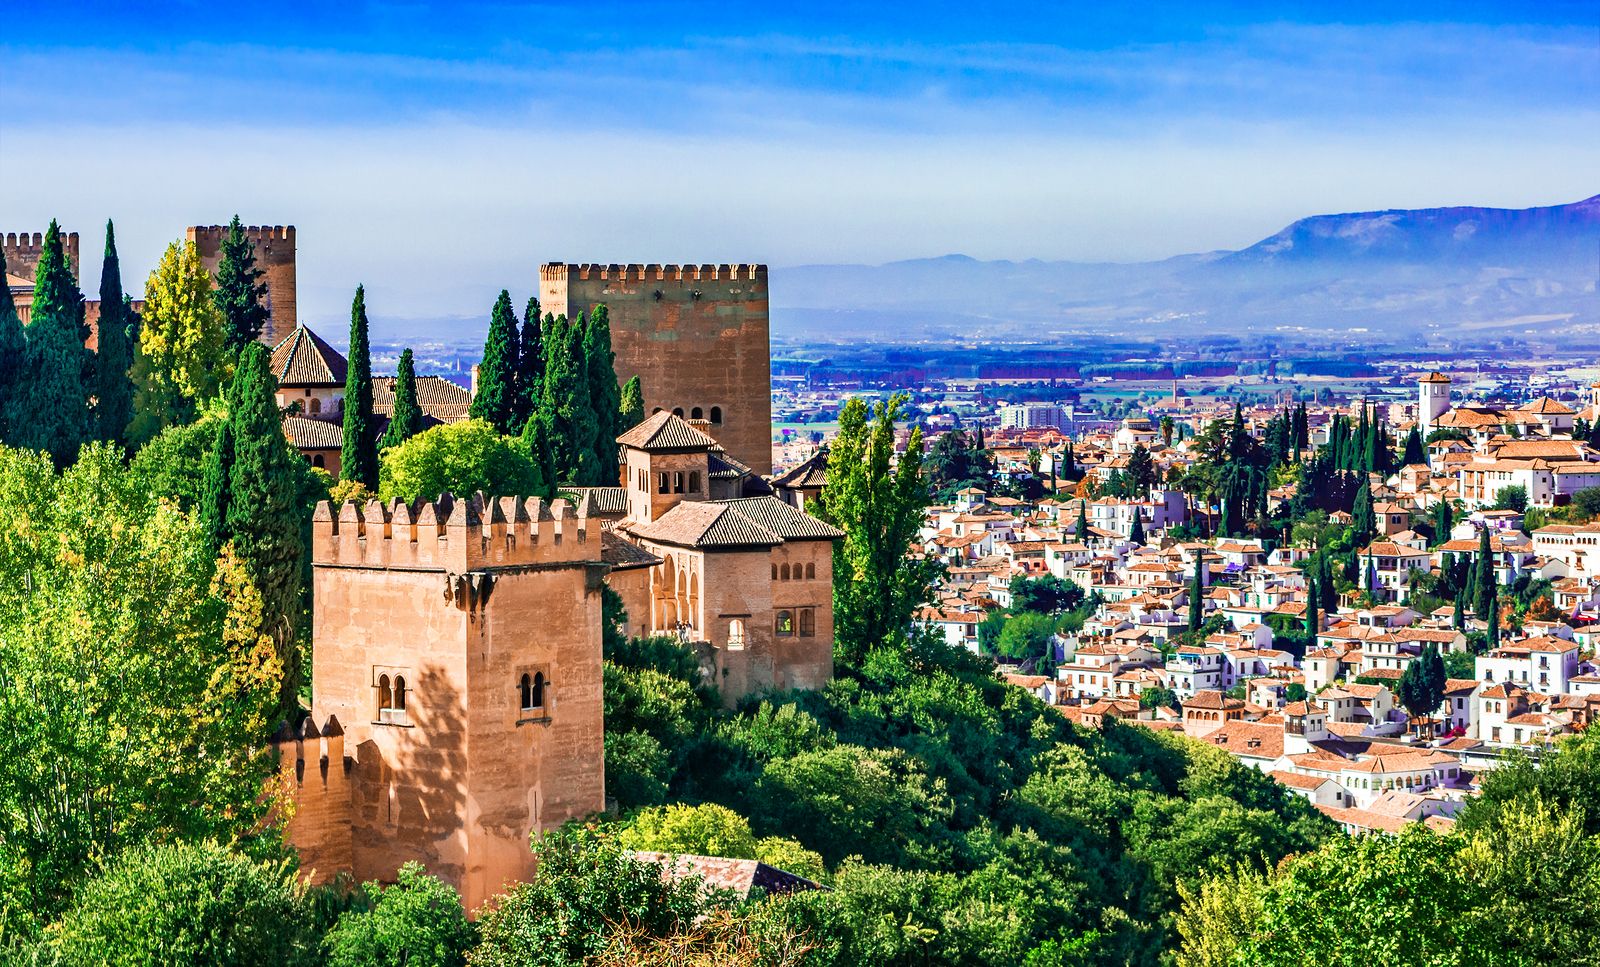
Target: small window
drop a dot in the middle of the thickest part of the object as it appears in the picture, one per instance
(784, 624)
(678, 480)
(399, 693)
(677, 411)
(784, 570)
(391, 698)
(316, 406)
(811, 571)
(663, 483)
(694, 481)
(808, 623)
(774, 572)
(531, 691)
(716, 414)
(735, 635)
(697, 414)
(385, 695)
(318, 461)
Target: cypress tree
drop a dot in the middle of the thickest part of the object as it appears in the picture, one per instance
(13, 348)
(50, 410)
(1197, 591)
(1136, 532)
(1312, 623)
(585, 418)
(358, 459)
(214, 488)
(1493, 636)
(1069, 467)
(114, 388)
(496, 396)
(1330, 594)
(1414, 450)
(537, 446)
(1459, 620)
(406, 418)
(631, 405)
(604, 396)
(1081, 532)
(1366, 520)
(264, 514)
(239, 290)
(530, 365)
(555, 399)
(1484, 603)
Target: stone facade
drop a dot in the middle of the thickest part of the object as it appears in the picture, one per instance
(274, 257)
(695, 335)
(457, 651)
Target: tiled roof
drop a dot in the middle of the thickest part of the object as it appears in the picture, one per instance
(608, 501)
(303, 358)
(665, 431)
(812, 473)
(623, 554)
(706, 525)
(306, 433)
(437, 396)
(782, 519)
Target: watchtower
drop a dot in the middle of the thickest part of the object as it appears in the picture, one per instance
(274, 257)
(1433, 401)
(697, 336)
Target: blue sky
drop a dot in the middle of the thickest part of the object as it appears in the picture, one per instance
(439, 152)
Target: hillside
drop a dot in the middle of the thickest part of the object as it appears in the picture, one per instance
(1401, 271)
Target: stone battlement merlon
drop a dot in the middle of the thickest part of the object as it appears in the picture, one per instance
(28, 246)
(254, 232)
(452, 534)
(653, 272)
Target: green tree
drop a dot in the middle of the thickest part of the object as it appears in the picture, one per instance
(139, 684)
(417, 922)
(1046, 594)
(266, 514)
(1026, 636)
(456, 458)
(187, 904)
(405, 421)
(1080, 532)
(13, 352)
(878, 502)
(1414, 453)
(562, 381)
(1484, 593)
(50, 410)
(605, 399)
(113, 408)
(1511, 498)
(181, 361)
(239, 290)
(1365, 525)
(1422, 684)
(542, 461)
(1136, 532)
(530, 366)
(632, 407)
(1197, 595)
(214, 488)
(1313, 624)
(358, 458)
(495, 399)
(1158, 697)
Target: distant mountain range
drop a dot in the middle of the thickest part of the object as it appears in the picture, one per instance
(1436, 273)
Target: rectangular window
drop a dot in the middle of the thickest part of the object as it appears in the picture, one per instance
(677, 482)
(662, 482)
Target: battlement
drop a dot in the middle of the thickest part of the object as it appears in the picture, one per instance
(653, 272)
(455, 535)
(297, 746)
(216, 233)
(23, 250)
(314, 786)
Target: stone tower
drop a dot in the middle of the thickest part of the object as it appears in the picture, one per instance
(274, 257)
(695, 335)
(1433, 400)
(22, 251)
(457, 676)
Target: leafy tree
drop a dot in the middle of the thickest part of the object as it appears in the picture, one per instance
(1294, 692)
(138, 679)
(1026, 636)
(558, 402)
(878, 502)
(496, 397)
(605, 399)
(1511, 498)
(541, 458)
(530, 366)
(215, 488)
(358, 459)
(186, 904)
(239, 291)
(1158, 697)
(954, 463)
(1421, 686)
(13, 352)
(1046, 594)
(181, 361)
(113, 408)
(457, 458)
(632, 407)
(417, 922)
(405, 421)
(50, 410)
(1586, 500)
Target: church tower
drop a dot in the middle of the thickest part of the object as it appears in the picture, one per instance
(1433, 401)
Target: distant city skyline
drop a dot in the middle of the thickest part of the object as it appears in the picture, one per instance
(439, 153)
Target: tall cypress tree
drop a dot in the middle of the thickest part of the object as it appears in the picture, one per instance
(406, 418)
(496, 396)
(240, 290)
(214, 486)
(113, 407)
(584, 420)
(555, 404)
(1366, 519)
(264, 514)
(1312, 624)
(1484, 602)
(530, 365)
(1414, 450)
(1330, 594)
(1458, 621)
(604, 397)
(50, 412)
(1081, 532)
(1136, 532)
(358, 459)
(631, 405)
(538, 450)
(13, 349)
(1197, 592)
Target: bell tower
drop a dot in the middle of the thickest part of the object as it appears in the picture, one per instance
(1433, 401)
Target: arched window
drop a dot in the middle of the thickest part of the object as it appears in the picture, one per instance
(808, 623)
(735, 635)
(774, 572)
(536, 695)
(677, 411)
(783, 625)
(811, 571)
(784, 570)
(316, 406)
(525, 692)
(655, 411)
(694, 481)
(663, 483)
(318, 461)
(399, 693)
(385, 695)
(677, 481)
(716, 414)
(697, 414)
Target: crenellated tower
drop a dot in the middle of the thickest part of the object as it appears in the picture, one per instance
(274, 257)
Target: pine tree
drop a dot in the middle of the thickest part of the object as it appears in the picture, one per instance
(1484, 603)
(495, 399)
(1197, 596)
(358, 459)
(50, 412)
(13, 349)
(538, 449)
(240, 290)
(114, 387)
(405, 420)
(1136, 532)
(604, 396)
(264, 514)
(1414, 450)
(631, 405)
(530, 365)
